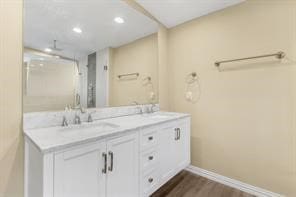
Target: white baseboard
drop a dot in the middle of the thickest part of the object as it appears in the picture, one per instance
(232, 183)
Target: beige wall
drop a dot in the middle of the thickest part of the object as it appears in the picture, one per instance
(139, 56)
(163, 68)
(243, 126)
(11, 146)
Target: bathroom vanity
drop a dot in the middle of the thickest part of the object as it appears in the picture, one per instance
(124, 156)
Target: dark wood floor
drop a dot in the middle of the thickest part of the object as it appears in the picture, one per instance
(186, 184)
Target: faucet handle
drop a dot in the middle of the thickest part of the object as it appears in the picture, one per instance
(147, 109)
(153, 105)
(65, 122)
(77, 119)
(90, 118)
(140, 109)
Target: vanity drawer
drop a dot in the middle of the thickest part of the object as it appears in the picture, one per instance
(149, 182)
(148, 139)
(149, 159)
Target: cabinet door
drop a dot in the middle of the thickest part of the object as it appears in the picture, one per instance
(79, 172)
(182, 144)
(166, 152)
(174, 148)
(123, 162)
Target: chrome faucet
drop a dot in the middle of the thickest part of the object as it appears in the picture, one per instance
(149, 109)
(65, 122)
(77, 119)
(140, 109)
(153, 105)
(89, 117)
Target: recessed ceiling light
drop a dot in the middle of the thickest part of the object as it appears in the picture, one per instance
(47, 50)
(119, 20)
(56, 56)
(77, 30)
(40, 64)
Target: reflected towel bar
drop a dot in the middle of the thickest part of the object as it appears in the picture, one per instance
(130, 74)
(278, 55)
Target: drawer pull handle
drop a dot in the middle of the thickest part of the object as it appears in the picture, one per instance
(150, 138)
(110, 168)
(104, 170)
(150, 180)
(177, 133)
(150, 158)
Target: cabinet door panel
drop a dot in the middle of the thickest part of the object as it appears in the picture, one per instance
(182, 145)
(166, 152)
(79, 172)
(123, 175)
(174, 148)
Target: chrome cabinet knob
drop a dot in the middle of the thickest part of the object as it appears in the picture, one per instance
(150, 180)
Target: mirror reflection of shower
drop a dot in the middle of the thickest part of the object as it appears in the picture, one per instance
(50, 81)
(91, 80)
(91, 96)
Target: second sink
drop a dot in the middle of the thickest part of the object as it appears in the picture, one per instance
(93, 127)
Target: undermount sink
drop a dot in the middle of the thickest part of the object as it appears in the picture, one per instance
(89, 127)
(159, 115)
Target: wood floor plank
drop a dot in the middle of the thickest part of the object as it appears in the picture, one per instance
(199, 183)
(181, 189)
(217, 190)
(187, 184)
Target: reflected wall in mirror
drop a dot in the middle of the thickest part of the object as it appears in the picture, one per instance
(88, 54)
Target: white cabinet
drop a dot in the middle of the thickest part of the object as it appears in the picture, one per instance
(170, 154)
(181, 145)
(102, 169)
(79, 172)
(123, 174)
(174, 148)
(167, 152)
(131, 164)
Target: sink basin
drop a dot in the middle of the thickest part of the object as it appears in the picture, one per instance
(88, 128)
(159, 115)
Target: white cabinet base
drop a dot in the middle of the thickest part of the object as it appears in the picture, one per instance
(132, 164)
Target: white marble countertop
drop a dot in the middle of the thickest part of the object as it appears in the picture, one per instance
(56, 138)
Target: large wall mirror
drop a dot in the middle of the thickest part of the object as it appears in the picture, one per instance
(88, 53)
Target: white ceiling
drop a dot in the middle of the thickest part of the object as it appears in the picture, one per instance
(46, 20)
(174, 12)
